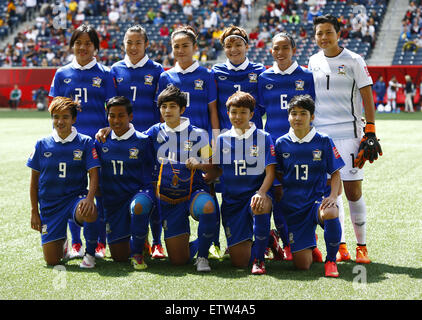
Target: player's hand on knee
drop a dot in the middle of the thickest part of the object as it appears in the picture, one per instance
(35, 221)
(328, 202)
(86, 208)
(258, 201)
(369, 147)
(102, 134)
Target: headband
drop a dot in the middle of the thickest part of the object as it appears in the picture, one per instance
(236, 36)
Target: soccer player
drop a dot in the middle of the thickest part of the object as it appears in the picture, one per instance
(276, 87)
(196, 81)
(60, 164)
(236, 74)
(90, 83)
(180, 188)
(343, 88)
(128, 196)
(245, 158)
(136, 78)
(304, 157)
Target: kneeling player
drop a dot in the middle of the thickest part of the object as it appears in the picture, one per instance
(58, 190)
(245, 158)
(180, 188)
(125, 184)
(304, 157)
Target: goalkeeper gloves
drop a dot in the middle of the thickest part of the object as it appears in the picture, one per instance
(369, 147)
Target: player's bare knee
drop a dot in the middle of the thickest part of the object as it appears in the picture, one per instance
(329, 213)
(91, 217)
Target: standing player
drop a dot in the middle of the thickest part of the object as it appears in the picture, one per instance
(60, 164)
(245, 157)
(196, 81)
(136, 78)
(180, 188)
(125, 184)
(304, 157)
(236, 74)
(343, 88)
(90, 83)
(276, 87)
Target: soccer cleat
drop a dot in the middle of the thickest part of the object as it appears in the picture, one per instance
(147, 249)
(214, 252)
(287, 253)
(275, 246)
(158, 252)
(65, 249)
(88, 262)
(138, 262)
(76, 251)
(258, 267)
(362, 255)
(100, 250)
(343, 254)
(331, 269)
(316, 255)
(268, 254)
(202, 264)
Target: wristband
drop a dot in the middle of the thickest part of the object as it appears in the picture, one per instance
(370, 128)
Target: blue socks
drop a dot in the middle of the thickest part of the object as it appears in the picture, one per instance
(75, 231)
(332, 237)
(206, 231)
(90, 234)
(100, 221)
(139, 231)
(156, 228)
(261, 231)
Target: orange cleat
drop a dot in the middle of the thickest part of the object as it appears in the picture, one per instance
(362, 255)
(331, 269)
(147, 249)
(316, 255)
(343, 254)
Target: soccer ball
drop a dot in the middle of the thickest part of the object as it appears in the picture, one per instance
(40, 106)
(380, 108)
(387, 108)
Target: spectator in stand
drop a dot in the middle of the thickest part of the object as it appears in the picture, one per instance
(113, 15)
(164, 31)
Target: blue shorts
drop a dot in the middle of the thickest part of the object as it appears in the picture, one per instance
(54, 226)
(237, 219)
(302, 228)
(118, 218)
(175, 217)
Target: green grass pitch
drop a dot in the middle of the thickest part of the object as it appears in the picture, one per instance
(393, 194)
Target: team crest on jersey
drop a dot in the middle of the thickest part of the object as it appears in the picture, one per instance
(119, 80)
(77, 154)
(44, 229)
(133, 153)
(286, 155)
(47, 154)
(199, 84)
(67, 80)
(316, 155)
(148, 79)
(341, 69)
(253, 151)
(253, 77)
(300, 84)
(187, 146)
(269, 86)
(96, 82)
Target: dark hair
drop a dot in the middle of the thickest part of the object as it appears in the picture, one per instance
(233, 30)
(241, 99)
(90, 30)
(328, 18)
(119, 101)
(139, 29)
(287, 36)
(63, 103)
(304, 101)
(174, 94)
(187, 30)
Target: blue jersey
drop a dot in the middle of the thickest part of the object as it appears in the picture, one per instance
(62, 166)
(276, 88)
(139, 84)
(305, 164)
(126, 165)
(172, 147)
(199, 84)
(92, 86)
(243, 160)
(231, 79)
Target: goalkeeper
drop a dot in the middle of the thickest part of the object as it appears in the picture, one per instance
(343, 88)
